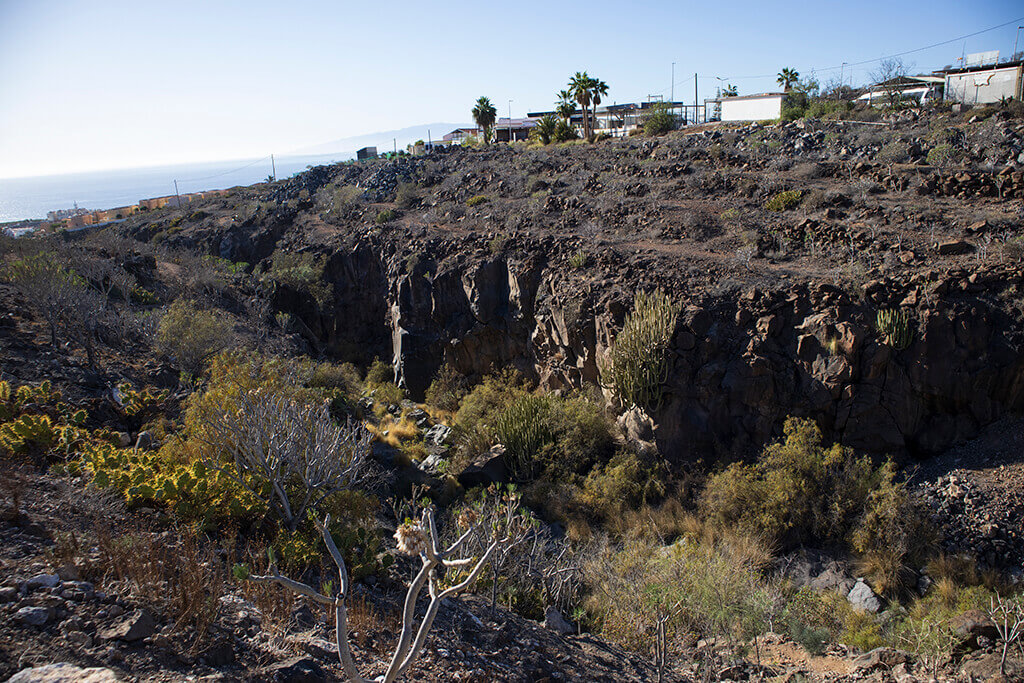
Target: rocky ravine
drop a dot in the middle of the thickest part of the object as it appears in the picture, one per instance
(542, 281)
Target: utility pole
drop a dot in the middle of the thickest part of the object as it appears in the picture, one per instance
(695, 117)
(176, 193)
(273, 168)
(1015, 37)
(510, 122)
(672, 97)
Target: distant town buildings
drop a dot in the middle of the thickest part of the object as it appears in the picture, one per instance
(366, 153)
(76, 219)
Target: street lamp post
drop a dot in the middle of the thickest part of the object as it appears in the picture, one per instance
(1015, 37)
(510, 122)
(672, 96)
(842, 68)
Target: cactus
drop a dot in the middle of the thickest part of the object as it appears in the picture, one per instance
(28, 432)
(639, 357)
(523, 428)
(134, 402)
(895, 325)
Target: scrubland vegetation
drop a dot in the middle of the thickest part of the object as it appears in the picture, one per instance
(280, 475)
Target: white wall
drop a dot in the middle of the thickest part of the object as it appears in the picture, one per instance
(753, 109)
(983, 87)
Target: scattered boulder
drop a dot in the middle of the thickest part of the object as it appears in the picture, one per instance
(972, 625)
(136, 626)
(295, 670)
(954, 248)
(438, 435)
(8, 594)
(64, 673)
(486, 469)
(34, 616)
(881, 657)
(554, 621)
(863, 598)
(42, 581)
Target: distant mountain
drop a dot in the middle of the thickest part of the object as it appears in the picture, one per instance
(384, 141)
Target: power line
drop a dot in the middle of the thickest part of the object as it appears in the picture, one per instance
(892, 56)
(224, 173)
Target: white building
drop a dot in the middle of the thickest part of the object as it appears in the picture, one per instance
(985, 84)
(760, 107)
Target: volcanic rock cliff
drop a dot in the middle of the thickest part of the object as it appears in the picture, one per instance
(530, 259)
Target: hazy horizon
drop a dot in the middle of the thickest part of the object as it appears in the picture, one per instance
(344, 146)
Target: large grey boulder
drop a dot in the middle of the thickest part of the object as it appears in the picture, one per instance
(64, 673)
(863, 598)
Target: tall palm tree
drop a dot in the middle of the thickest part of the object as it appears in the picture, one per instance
(580, 86)
(598, 89)
(730, 91)
(788, 78)
(485, 114)
(565, 107)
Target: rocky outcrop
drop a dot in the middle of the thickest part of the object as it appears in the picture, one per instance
(740, 363)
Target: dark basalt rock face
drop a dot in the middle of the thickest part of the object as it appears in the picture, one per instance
(740, 363)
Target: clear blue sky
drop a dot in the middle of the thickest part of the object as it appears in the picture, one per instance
(91, 84)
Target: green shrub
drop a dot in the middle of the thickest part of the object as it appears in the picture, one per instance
(446, 389)
(477, 200)
(893, 153)
(639, 356)
(341, 376)
(407, 195)
(386, 216)
(488, 398)
(578, 260)
(627, 481)
(192, 336)
(783, 201)
(940, 155)
(706, 589)
(660, 120)
(379, 372)
(302, 271)
(346, 196)
(801, 492)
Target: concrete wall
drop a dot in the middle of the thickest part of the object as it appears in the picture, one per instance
(751, 109)
(984, 87)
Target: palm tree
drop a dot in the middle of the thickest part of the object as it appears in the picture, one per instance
(788, 78)
(598, 88)
(485, 114)
(580, 87)
(730, 91)
(545, 128)
(565, 106)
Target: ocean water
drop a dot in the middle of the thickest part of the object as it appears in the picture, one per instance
(26, 198)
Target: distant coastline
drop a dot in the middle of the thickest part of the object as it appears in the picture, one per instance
(30, 199)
